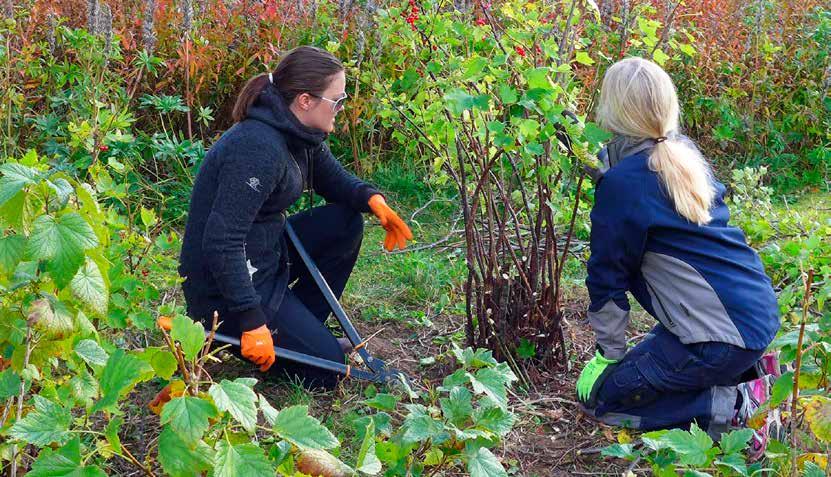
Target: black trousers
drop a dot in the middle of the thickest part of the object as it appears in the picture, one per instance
(331, 234)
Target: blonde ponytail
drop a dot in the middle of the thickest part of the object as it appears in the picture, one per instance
(686, 175)
(638, 99)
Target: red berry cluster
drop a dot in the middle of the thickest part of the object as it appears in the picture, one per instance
(520, 51)
(481, 22)
(412, 16)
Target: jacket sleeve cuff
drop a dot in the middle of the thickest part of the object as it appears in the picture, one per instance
(609, 324)
(249, 319)
(362, 196)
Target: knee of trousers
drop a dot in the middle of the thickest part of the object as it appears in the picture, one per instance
(353, 226)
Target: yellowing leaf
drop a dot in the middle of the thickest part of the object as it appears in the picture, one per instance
(583, 58)
(660, 57)
(818, 415)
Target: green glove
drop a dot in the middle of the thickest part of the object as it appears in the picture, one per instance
(591, 374)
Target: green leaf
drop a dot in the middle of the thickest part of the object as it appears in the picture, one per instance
(111, 433)
(62, 189)
(382, 401)
(47, 423)
(812, 470)
(687, 49)
(148, 217)
(693, 446)
(507, 94)
(458, 101)
(237, 399)
(189, 333)
(368, 462)
(91, 352)
(84, 387)
(495, 419)
(621, 451)
(64, 462)
(419, 425)
(242, 459)
(474, 67)
(15, 178)
(781, 389)
(296, 426)
(122, 372)
(484, 464)
(595, 134)
(583, 58)
(733, 461)
(526, 348)
(9, 384)
(250, 382)
(538, 79)
(89, 286)
(161, 360)
(62, 241)
(734, 441)
(693, 473)
(188, 417)
(660, 57)
(11, 252)
(494, 383)
(12, 211)
(468, 358)
(268, 410)
(458, 407)
(180, 460)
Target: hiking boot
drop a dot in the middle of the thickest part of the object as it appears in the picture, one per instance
(768, 364)
(753, 394)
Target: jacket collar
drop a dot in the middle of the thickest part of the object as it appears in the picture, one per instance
(271, 108)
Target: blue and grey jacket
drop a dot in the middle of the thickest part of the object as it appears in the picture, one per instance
(704, 283)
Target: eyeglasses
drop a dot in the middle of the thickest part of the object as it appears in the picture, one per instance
(337, 104)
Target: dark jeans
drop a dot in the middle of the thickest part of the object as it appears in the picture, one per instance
(662, 383)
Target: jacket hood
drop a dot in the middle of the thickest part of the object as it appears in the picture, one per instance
(271, 108)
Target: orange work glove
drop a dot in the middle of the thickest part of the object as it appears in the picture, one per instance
(258, 347)
(397, 231)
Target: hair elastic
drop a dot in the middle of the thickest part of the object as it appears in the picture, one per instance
(271, 78)
(661, 139)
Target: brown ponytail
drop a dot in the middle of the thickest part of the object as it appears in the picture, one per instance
(305, 69)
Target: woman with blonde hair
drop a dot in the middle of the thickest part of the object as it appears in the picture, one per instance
(660, 232)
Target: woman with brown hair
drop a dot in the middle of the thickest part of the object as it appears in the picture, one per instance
(235, 257)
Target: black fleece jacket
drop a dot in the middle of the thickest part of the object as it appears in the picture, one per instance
(234, 248)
